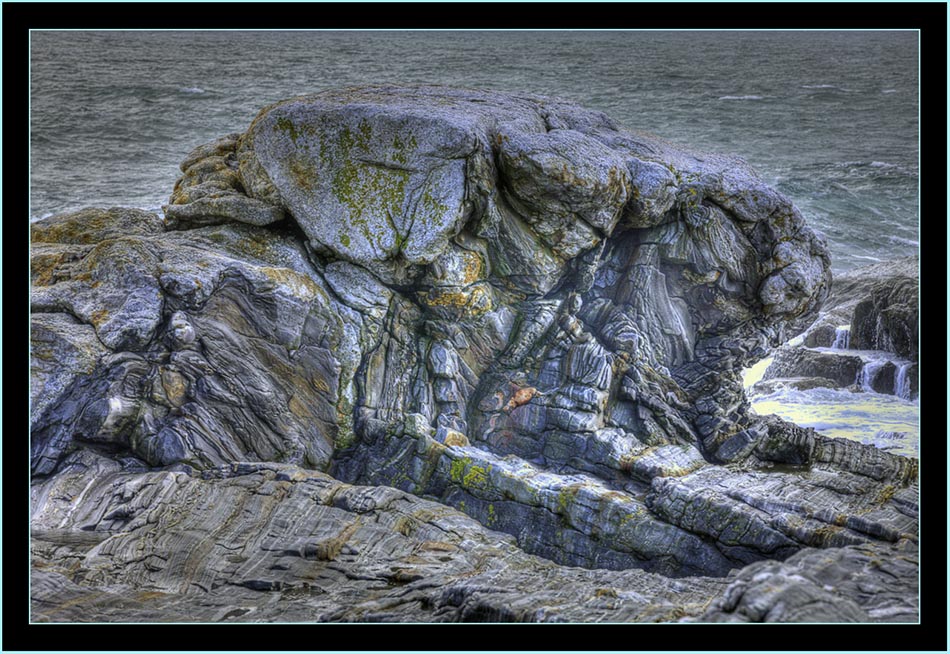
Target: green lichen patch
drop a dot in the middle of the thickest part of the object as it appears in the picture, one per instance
(285, 125)
(468, 474)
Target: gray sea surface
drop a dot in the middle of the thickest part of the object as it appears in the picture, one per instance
(829, 118)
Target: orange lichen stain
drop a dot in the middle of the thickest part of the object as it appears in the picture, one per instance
(444, 298)
(473, 268)
(521, 396)
(320, 384)
(175, 387)
(146, 595)
(298, 408)
(456, 439)
(303, 173)
(299, 284)
(98, 317)
(437, 546)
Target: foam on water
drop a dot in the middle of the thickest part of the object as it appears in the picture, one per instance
(844, 414)
(753, 374)
(902, 387)
(868, 374)
(866, 417)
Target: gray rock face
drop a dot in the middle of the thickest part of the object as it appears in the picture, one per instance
(234, 361)
(211, 191)
(502, 306)
(859, 583)
(840, 367)
(874, 308)
(885, 301)
(302, 546)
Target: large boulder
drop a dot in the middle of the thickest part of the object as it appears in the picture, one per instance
(198, 347)
(502, 303)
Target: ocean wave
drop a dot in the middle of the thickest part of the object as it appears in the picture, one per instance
(882, 166)
(742, 97)
(191, 89)
(826, 87)
(889, 91)
(904, 241)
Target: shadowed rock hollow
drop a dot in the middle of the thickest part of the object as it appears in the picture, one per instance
(505, 305)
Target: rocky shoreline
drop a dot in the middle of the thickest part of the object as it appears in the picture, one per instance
(865, 338)
(430, 354)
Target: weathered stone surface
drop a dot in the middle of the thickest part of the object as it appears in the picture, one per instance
(842, 368)
(269, 542)
(90, 226)
(234, 358)
(61, 349)
(770, 512)
(859, 583)
(211, 191)
(100, 272)
(501, 304)
(870, 309)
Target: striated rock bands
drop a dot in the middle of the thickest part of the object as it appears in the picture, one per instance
(503, 306)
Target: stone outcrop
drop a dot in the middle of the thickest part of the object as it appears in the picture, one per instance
(276, 542)
(378, 311)
(866, 336)
(883, 302)
(859, 583)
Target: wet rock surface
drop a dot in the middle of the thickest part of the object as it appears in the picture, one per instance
(866, 336)
(390, 346)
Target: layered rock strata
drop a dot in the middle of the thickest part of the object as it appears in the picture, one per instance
(504, 305)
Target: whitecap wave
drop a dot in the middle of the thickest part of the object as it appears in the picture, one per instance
(191, 89)
(825, 87)
(742, 97)
(880, 165)
(889, 91)
(904, 241)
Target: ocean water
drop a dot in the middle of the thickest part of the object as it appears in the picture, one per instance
(828, 118)
(889, 422)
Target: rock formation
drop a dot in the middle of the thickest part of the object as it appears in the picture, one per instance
(866, 336)
(392, 345)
